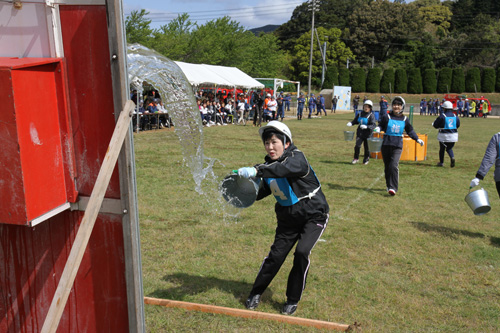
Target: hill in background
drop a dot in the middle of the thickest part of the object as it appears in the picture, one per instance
(265, 29)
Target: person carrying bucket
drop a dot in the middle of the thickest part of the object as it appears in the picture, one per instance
(366, 121)
(393, 124)
(491, 156)
(301, 212)
(448, 124)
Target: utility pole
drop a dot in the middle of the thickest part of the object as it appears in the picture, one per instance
(324, 62)
(313, 7)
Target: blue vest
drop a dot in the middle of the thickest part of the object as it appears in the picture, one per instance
(395, 127)
(450, 122)
(283, 192)
(363, 121)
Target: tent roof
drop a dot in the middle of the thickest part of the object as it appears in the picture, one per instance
(201, 74)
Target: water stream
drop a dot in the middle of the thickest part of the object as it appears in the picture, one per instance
(145, 65)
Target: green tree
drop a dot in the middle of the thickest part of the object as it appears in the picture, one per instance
(373, 79)
(344, 76)
(400, 81)
(436, 16)
(488, 80)
(331, 77)
(172, 39)
(444, 80)
(387, 81)
(473, 80)
(458, 81)
(497, 84)
(336, 52)
(380, 28)
(414, 81)
(429, 81)
(263, 57)
(358, 79)
(137, 27)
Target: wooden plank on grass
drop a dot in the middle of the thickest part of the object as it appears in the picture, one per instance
(247, 314)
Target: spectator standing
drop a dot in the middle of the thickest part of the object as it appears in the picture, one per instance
(241, 106)
(312, 105)
(473, 108)
(301, 101)
(334, 104)
(287, 100)
(423, 106)
(466, 108)
(394, 124)
(257, 103)
(460, 107)
(272, 106)
(321, 106)
(384, 106)
(485, 108)
(491, 157)
(448, 124)
(355, 103)
(281, 108)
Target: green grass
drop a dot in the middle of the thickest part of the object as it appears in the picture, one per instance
(419, 261)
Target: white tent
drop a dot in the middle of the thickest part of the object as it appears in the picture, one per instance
(220, 76)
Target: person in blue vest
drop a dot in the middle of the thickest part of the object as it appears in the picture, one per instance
(448, 124)
(394, 124)
(301, 212)
(491, 157)
(384, 106)
(301, 101)
(312, 105)
(367, 123)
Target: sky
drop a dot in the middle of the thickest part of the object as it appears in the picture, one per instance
(250, 14)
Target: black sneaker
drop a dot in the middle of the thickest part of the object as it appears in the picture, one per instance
(439, 164)
(252, 302)
(452, 163)
(289, 308)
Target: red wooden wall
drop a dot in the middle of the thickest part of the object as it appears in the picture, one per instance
(32, 259)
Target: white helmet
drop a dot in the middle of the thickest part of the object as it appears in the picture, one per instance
(447, 105)
(277, 125)
(399, 98)
(368, 102)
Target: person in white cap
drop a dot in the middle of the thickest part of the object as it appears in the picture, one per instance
(301, 212)
(491, 157)
(448, 124)
(394, 124)
(367, 124)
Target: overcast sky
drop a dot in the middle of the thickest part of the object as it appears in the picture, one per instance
(250, 14)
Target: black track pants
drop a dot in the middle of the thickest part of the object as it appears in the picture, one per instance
(391, 156)
(286, 236)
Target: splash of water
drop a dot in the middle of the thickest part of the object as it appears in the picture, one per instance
(145, 65)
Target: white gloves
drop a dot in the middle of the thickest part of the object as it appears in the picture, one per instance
(247, 172)
(363, 126)
(349, 124)
(420, 142)
(474, 182)
(376, 130)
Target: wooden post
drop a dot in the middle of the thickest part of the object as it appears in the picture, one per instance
(88, 221)
(248, 314)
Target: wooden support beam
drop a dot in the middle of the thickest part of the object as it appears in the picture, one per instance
(88, 221)
(248, 314)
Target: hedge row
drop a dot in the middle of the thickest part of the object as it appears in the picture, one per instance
(415, 81)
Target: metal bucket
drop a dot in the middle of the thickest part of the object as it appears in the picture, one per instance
(348, 135)
(375, 145)
(239, 191)
(478, 201)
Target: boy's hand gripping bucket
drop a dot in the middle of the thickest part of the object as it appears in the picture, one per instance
(348, 135)
(478, 201)
(239, 191)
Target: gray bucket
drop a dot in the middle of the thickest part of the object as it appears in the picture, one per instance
(348, 135)
(239, 191)
(375, 145)
(478, 201)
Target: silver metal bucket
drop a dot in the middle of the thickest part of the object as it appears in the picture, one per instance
(478, 201)
(348, 135)
(239, 191)
(375, 145)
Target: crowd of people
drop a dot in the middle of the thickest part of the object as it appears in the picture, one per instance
(464, 107)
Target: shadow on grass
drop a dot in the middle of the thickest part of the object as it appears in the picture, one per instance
(343, 188)
(453, 233)
(187, 284)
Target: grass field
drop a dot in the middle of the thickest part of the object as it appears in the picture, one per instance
(417, 262)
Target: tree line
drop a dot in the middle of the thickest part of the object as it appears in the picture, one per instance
(424, 46)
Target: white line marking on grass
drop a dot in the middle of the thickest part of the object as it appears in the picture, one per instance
(361, 195)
